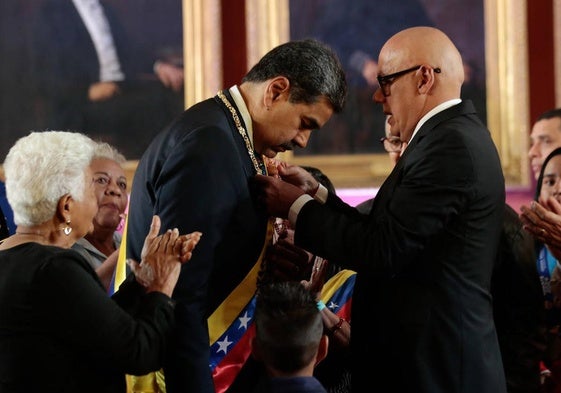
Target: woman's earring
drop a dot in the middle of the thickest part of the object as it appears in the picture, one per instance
(67, 229)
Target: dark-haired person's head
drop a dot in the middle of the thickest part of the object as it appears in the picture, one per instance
(288, 329)
(549, 179)
(312, 68)
(544, 138)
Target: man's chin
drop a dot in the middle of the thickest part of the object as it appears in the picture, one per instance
(270, 153)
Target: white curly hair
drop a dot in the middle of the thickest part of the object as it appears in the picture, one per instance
(42, 167)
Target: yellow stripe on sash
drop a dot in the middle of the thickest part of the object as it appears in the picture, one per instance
(334, 283)
(121, 268)
(231, 307)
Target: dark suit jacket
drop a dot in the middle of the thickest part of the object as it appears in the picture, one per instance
(60, 332)
(195, 176)
(422, 309)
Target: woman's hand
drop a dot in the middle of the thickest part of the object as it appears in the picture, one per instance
(162, 257)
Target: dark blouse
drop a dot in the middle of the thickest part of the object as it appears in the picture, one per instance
(60, 332)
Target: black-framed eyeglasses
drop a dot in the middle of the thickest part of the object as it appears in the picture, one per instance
(385, 81)
(392, 144)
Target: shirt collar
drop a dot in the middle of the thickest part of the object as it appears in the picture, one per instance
(437, 109)
(244, 112)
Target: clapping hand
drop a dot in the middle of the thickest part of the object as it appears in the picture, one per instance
(543, 220)
(162, 257)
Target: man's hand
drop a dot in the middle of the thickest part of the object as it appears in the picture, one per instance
(299, 177)
(276, 195)
(544, 222)
(286, 262)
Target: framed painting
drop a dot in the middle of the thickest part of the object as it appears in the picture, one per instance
(52, 79)
(350, 155)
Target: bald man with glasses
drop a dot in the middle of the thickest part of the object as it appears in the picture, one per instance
(425, 252)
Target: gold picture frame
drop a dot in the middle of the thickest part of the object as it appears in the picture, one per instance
(267, 24)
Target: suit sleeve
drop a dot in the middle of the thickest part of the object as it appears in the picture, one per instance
(429, 194)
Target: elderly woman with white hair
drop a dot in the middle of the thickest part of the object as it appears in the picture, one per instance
(100, 246)
(59, 331)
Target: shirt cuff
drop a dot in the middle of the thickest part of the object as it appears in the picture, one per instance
(321, 194)
(296, 207)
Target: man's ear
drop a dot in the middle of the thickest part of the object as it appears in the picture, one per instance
(427, 79)
(278, 87)
(322, 348)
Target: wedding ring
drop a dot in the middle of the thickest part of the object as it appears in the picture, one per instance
(542, 231)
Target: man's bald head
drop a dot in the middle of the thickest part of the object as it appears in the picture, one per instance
(426, 45)
(420, 68)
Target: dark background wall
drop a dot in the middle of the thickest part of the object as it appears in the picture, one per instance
(158, 23)
(155, 25)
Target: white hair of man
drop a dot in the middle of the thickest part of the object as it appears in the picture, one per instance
(42, 167)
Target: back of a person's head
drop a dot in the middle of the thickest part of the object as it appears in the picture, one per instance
(288, 326)
(42, 167)
(312, 68)
(320, 177)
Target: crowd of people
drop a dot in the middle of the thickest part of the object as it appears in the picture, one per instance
(438, 277)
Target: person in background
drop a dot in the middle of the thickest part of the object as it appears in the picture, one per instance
(7, 226)
(289, 338)
(549, 186)
(94, 79)
(518, 307)
(100, 247)
(424, 255)
(393, 145)
(544, 138)
(60, 332)
(203, 164)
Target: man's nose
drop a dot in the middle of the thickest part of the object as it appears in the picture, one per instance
(301, 140)
(378, 96)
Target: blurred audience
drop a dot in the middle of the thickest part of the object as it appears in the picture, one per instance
(534, 218)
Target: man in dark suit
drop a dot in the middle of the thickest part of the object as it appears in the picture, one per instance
(95, 79)
(196, 174)
(424, 255)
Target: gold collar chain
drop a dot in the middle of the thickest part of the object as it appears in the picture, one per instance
(242, 132)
